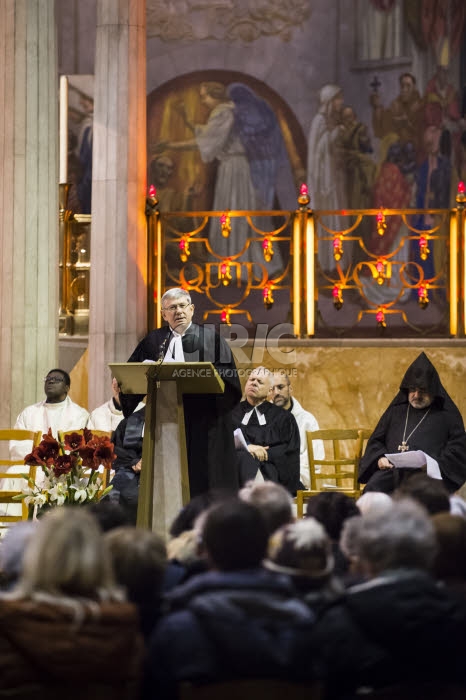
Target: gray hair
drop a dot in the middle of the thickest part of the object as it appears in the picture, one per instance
(374, 502)
(301, 548)
(175, 293)
(264, 371)
(402, 536)
(272, 500)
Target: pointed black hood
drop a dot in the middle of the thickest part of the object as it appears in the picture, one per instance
(423, 375)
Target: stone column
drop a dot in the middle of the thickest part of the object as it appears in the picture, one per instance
(28, 202)
(118, 240)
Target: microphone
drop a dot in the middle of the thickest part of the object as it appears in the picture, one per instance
(162, 352)
(164, 346)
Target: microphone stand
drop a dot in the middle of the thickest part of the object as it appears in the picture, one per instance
(162, 353)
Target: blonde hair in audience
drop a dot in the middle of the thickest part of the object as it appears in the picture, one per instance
(67, 560)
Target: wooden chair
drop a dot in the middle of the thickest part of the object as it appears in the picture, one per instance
(107, 473)
(336, 472)
(7, 515)
(252, 689)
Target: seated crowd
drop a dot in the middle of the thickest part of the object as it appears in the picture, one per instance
(348, 598)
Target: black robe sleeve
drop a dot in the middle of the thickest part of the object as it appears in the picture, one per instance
(376, 447)
(452, 456)
(149, 348)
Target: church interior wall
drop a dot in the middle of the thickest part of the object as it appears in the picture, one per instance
(342, 384)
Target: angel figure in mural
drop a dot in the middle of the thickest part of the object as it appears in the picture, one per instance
(243, 135)
(325, 174)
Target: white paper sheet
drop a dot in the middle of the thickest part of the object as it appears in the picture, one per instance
(240, 441)
(415, 459)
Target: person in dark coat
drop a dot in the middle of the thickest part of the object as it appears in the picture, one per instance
(422, 416)
(398, 626)
(127, 442)
(271, 435)
(209, 431)
(235, 621)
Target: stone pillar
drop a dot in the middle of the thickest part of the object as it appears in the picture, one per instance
(118, 240)
(28, 202)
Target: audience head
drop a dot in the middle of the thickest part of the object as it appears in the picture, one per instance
(273, 501)
(301, 548)
(12, 550)
(139, 560)
(374, 502)
(187, 516)
(331, 509)
(430, 493)
(108, 514)
(450, 560)
(349, 542)
(400, 537)
(234, 536)
(67, 557)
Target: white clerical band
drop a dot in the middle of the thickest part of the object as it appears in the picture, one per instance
(175, 349)
(260, 417)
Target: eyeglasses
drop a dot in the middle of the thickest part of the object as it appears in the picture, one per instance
(174, 307)
(54, 380)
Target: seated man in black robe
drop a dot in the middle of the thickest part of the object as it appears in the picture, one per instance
(271, 434)
(209, 433)
(422, 416)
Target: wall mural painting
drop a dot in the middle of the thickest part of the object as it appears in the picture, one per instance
(80, 131)
(224, 141)
(411, 156)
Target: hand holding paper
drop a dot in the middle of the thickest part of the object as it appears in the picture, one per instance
(415, 459)
(408, 460)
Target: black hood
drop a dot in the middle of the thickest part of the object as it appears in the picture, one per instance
(423, 375)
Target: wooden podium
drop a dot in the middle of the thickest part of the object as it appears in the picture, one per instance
(164, 485)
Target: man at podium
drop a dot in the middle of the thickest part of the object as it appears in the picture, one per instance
(209, 430)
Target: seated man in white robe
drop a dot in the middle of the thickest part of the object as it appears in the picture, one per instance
(282, 397)
(110, 414)
(57, 411)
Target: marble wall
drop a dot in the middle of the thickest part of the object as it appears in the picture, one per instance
(350, 386)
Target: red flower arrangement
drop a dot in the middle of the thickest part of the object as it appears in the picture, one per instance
(71, 469)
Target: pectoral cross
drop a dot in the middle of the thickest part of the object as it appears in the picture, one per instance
(403, 447)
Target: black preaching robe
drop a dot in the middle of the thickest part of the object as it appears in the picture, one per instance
(209, 431)
(281, 434)
(440, 435)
